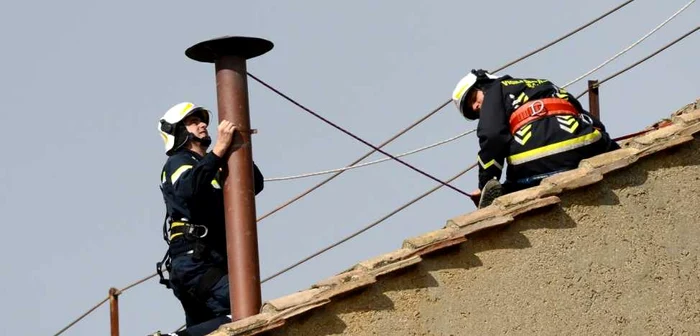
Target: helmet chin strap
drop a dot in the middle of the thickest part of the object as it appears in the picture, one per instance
(205, 141)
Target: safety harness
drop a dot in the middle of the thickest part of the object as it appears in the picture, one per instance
(184, 230)
(196, 296)
(538, 109)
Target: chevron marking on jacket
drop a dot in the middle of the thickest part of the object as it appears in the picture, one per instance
(568, 123)
(523, 134)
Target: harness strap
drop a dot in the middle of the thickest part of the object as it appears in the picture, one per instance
(188, 231)
(538, 109)
(159, 269)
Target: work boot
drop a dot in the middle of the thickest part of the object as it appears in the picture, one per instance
(492, 190)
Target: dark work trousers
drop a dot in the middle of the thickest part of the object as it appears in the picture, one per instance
(186, 273)
(513, 186)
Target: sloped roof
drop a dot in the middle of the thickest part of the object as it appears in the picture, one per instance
(674, 131)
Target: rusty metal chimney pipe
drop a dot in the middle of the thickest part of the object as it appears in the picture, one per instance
(229, 54)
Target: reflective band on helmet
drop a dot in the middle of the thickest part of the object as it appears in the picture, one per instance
(554, 148)
(186, 109)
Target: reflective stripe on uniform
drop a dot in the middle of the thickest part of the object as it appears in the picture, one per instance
(489, 164)
(215, 184)
(178, 172)
(176, 224)
(554, 148)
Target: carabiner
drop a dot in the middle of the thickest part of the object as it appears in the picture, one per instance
(193, 231)
(536, 109)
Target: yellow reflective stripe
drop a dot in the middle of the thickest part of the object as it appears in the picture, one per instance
(215, 184)
(489, 164)
(460, 93)
(178, 172)
(187, 107)
(524, 130)
(176, 224)
(555, 148)
(162, 177)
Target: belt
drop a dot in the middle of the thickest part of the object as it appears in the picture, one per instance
(537, 109)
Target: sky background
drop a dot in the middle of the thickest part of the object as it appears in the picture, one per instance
(85, 82)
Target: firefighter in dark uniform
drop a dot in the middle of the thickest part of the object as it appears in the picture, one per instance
(538, 128)
(195, 226)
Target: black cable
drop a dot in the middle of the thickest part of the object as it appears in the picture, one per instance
(375, 223)
(641, 61)
(433, 112)
(356, 137)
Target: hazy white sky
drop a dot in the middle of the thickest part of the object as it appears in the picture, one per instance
(85, 82)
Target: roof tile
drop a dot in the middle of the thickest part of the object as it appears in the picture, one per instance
(473, 217)
(429, 238)
(390, 262)
(525, 195)
(393, 267)
(385, 259)
(485, 224)
(657, 135)
(249, 325)
(291, 300)
(440, 244)
(610, 161)
(532, 205)
(687, 118)
(573, 179)
(350, 279)
(648, 150)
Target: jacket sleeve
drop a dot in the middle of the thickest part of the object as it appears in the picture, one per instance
(494, 135)
(189, 176)
(258, 179)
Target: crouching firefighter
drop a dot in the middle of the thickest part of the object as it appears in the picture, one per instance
(194, 227)
(536, 127)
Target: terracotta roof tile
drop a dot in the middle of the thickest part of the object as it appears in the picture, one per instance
(390, 262)
(429, 238)
(573, 179)
(610, 161)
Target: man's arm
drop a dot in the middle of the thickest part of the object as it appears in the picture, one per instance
(189, 176)
(494, 135)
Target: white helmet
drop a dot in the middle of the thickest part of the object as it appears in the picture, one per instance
(173, 131)
(461, 91)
